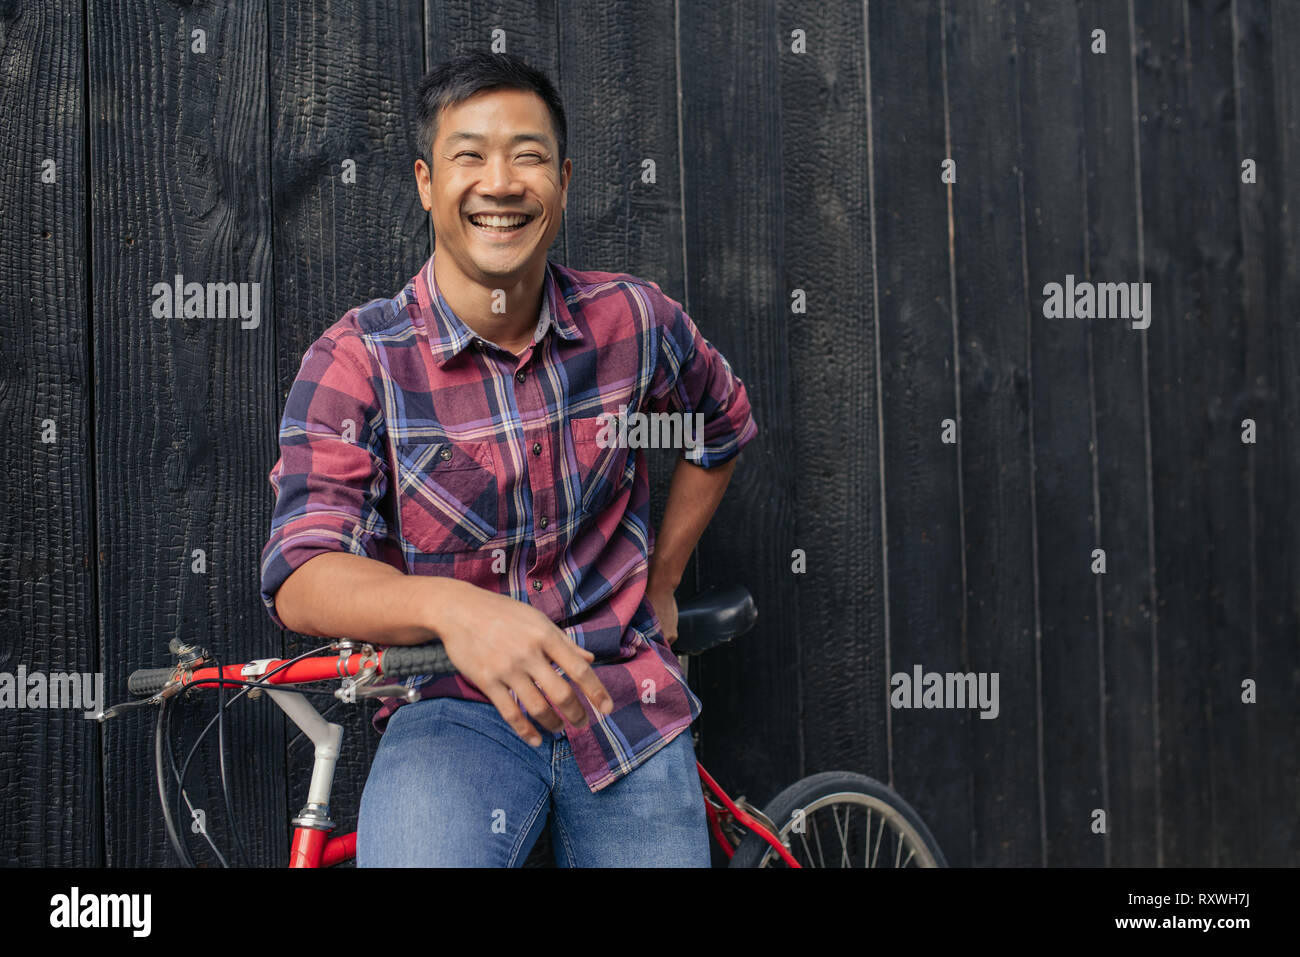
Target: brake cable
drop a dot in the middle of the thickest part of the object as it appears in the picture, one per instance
(178, 842)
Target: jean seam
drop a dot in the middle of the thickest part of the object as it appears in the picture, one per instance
(524, 832)
(564, 839)
(557, 768)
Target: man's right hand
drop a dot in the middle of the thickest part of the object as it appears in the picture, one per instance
(505, 645)
(500, 644)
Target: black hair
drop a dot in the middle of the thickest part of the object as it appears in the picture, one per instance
(466, 74)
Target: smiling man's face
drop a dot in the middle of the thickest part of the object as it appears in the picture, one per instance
(496, 193)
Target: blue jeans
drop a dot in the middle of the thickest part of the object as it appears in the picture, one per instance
(453, 785)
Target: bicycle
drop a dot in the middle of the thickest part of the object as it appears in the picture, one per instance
(749, 837)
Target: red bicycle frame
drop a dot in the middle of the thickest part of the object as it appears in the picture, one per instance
(312, 844)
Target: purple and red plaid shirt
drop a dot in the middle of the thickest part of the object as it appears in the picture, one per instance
(410, 440)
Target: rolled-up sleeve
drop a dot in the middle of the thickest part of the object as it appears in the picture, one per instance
(332, 473)
(694, 378)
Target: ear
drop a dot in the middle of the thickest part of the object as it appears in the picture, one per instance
(424, 183)
(565, 175)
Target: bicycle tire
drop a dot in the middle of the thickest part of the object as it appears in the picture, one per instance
(858, 789)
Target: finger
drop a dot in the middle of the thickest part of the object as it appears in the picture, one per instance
(499, 695)
(564, 653)
(560, 693)
(533, 702)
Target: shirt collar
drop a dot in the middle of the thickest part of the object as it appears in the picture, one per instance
(448, 335)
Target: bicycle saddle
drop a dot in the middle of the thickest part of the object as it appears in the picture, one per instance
(712, 618)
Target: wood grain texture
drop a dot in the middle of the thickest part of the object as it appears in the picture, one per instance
(1192, 247)
(1118, 358)
(1267, 105)
(835, 448)
(933, 765)
(180, 185)
(995, 428)
(1054, 203)
(49, 760)
(752, 724)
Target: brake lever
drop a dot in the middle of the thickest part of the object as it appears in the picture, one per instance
(114, 710)
(362, 685)
(388, 691)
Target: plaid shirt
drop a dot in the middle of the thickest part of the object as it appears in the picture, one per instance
(408, 439)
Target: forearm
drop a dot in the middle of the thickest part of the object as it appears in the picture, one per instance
(693, 497)
(338, 594)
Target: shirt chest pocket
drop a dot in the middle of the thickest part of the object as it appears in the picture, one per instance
(448, 496)
(604, 467)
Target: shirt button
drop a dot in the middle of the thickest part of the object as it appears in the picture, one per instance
(537, 448)
(544, 522)
(537, 584)
(446, 454)
(520, 376)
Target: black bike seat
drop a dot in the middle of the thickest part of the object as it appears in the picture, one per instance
(712, 618)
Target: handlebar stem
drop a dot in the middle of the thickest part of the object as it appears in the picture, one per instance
(328, 740)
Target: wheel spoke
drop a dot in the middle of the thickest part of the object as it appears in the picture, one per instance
(844, 835)
(803, 836)
(817, 836)
(866, 853)
(879, 840)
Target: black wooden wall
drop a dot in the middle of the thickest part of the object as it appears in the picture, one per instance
(776, 171)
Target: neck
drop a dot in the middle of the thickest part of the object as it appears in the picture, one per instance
(504, 313)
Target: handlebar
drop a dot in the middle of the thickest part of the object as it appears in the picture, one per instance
(709, 620)
(393, 662)
(148, 681)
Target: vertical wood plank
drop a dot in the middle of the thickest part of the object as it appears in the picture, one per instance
(1203, 555)
(180, 186)
(1061, 406)
(731, 146)
(995, 424)
(833, 370)
(49, 764)
(1268, 121)
(933, 765)
(1122, 434)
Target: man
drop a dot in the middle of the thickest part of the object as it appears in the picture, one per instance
(445, 474)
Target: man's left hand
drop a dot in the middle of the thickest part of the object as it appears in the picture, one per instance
(665, 606)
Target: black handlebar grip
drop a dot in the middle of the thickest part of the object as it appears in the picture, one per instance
(403, 661)
(148, 681)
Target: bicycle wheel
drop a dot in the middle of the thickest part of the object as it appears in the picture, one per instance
(847, 820)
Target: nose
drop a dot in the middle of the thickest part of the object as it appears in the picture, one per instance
(498, 178)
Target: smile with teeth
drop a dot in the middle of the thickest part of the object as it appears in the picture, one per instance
(500, 223)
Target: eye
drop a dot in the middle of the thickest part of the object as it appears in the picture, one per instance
(464, 153)
(533, 155)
